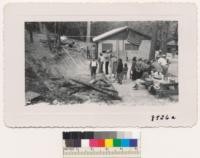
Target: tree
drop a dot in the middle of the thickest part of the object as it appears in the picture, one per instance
(29, 26)
(41, 27)
(153, 40)
(176, 33)
(88, 32)
(58, 31)
(164, 29)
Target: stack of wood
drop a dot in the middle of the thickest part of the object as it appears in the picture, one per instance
(76, 91)
(100, 86)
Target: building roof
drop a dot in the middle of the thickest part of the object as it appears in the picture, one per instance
(109, 33)
(115, 31)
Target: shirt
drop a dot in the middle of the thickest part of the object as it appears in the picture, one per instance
(125, 69)
(162, 61)
(107, 57)
(101, 58)
(94, 64)
(157, 67)
(157, 53)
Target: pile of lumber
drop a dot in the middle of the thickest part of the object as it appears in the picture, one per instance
(77, 91)
(100, 86)
(71, 91)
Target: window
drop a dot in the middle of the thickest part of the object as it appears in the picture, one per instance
(107, 46)
(129, 46)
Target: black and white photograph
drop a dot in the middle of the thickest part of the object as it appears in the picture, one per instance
(103, 62)
(119, 65)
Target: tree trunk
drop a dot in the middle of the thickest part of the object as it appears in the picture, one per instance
(153, 41)
(59, 34)
(31, 35)
(88, 32)
(164, 34)
(41, 27)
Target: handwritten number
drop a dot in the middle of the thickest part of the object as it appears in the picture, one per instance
(173, 117)
(162, 117)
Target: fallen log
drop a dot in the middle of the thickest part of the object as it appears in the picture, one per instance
(109, 90)
(103, 91)
(101, 82)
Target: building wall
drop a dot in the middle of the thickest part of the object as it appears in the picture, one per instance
(119, 49)
(130, 53)
(144, 49)
(113, 42)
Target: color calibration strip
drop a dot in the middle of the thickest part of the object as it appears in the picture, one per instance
(94, 144)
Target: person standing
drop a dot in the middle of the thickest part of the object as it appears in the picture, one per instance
(113, 65)
(101, 60)
(107, 59)
(93, 68)
(132, 74)
(119, 71)
(115, 68)
(138, 69)
(125, 71)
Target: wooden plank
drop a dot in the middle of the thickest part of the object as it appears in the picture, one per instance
(103, 91)
(111, 90)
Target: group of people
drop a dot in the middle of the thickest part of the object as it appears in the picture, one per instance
(109, 65)
(140, 68)
(146, 70)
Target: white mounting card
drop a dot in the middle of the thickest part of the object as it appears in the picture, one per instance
(100, 65)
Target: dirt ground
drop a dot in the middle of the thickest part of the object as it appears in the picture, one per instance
(134, 97)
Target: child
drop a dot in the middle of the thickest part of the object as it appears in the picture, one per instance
(125, 71)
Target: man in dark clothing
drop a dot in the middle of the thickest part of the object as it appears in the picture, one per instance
(119, 71)
(139, 69)
(132, 75)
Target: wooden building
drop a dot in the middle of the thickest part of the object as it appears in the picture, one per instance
(124, 42)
